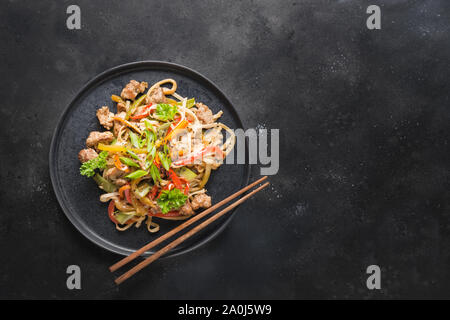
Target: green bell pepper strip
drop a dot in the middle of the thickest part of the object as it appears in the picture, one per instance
(133, 107)
(187, 174)
(142, 190)
(123, 217)
(104, 184)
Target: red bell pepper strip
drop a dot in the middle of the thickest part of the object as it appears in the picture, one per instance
(119, 165)
(175, 179)
(186, 185)
(145, 112)
(169, 214)
(152, 193)
(127, 196)
(122, 189)
(111, 208)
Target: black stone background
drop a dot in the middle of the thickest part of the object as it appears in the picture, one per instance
(364, 144)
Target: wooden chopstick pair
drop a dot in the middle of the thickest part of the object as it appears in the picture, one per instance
(185, 236)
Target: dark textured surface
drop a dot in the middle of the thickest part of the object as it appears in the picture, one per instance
(364, 144)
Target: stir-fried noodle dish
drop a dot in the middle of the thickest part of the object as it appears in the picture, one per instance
(156, 154)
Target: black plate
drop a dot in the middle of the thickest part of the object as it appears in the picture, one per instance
(79, 196)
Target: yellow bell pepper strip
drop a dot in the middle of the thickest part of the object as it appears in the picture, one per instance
(129, 124)
(171, 101)
(117, 99)
(117, 148)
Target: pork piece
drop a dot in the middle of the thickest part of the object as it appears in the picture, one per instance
(203, 113)
(115, 175)
(105, 117)
(132, 89)
(156, 96)
(95, 137)
(121, 107)
(117, 124)
(186, 209)
(120, 182)
(87, 154)
(201, 201)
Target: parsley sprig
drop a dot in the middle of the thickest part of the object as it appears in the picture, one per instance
(88, 168)
(171, 199)
(165, 111)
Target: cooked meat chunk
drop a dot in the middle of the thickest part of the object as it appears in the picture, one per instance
(203, 113)
(156, 96)
(121, 107)
(117, 124)
(95, 137)
(120, 182)
(114, 174)
(132, 89)
(201, 201)
(87, 154)
(105, 117)
(186, 209)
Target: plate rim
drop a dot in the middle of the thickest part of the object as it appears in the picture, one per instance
(83, 229)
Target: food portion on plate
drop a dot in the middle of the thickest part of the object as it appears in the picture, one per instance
(156, 154)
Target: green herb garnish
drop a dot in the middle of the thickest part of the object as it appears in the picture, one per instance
(166, 112)
(171, 199)
(88, 168)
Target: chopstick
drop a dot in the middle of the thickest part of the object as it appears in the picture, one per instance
(195, 218)
(188, 234)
